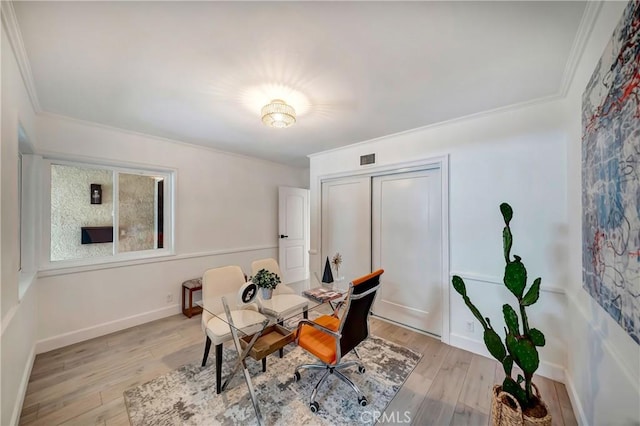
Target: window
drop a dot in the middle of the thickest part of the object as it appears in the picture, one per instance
(102, 214)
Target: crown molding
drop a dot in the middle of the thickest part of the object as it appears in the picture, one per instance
(109, 128)
(465, 118)
(589, 16)
(10, 22)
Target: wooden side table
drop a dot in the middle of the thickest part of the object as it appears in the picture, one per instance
(191, 285)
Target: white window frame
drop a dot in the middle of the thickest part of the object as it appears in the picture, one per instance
(116, 259)
(21, 212)
(28, 212)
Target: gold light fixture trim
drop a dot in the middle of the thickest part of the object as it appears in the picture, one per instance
(278, 114)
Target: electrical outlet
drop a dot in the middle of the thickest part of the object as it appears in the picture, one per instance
(169, 298)
(470, 326)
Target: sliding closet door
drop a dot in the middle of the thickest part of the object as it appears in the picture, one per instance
(346, 225)
(407, 243)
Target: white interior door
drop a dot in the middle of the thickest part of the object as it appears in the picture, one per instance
(346, 225)
(293, 212)
(407, 243)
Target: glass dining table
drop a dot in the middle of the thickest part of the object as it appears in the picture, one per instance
(256, 328)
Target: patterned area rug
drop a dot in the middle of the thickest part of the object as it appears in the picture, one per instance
(187, 396)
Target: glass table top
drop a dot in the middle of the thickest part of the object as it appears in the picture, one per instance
(249, 311)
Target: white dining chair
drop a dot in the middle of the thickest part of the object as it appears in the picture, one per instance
(216, 283)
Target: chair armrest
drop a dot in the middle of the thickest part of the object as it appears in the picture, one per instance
(317, 326)
(251, 307)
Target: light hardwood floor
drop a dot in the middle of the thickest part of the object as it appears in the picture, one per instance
(83, 384)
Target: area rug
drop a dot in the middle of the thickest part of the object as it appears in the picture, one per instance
(187, 396)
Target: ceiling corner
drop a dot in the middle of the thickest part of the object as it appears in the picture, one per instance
(591, 12)
(10, 23)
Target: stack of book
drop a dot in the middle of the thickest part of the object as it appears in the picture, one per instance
(321, 294)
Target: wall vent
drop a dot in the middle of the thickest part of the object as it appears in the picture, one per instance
(367, 159)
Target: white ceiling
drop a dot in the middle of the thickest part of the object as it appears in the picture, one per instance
(199, 72)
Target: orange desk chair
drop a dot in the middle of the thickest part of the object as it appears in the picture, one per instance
(329, 338)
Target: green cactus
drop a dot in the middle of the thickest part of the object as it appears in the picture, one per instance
(520, 342)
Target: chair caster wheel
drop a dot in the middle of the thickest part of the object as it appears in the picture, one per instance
(314, 407)
(361, 370)
(362, 401)
(296, 377)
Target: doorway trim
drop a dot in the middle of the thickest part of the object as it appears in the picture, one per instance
(441, 162)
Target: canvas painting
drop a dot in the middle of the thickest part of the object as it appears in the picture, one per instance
(611, 176)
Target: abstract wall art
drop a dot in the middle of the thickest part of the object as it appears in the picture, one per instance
(611, 176)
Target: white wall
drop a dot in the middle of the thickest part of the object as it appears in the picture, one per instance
(517, 156)
(603, 361)
(226, 211)
(18, 317)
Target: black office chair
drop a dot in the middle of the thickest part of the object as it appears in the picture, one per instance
(329, 338)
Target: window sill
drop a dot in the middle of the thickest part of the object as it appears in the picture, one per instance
(53, 269)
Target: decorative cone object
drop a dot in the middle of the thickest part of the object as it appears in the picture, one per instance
(327, 277)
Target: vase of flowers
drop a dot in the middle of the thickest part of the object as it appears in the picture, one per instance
(336, 261)
(267, 281)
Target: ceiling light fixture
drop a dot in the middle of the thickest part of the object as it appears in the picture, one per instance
(278, 114)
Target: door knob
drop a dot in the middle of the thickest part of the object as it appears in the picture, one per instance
(284, 236)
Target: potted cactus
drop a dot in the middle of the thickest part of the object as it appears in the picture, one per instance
(515, 401)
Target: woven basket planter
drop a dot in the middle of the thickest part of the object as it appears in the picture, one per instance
(503, 415)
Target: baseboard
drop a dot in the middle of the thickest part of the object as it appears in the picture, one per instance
(575, 400)
(547, 369)
(81, 335)
(399, 324)
(22, 391)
